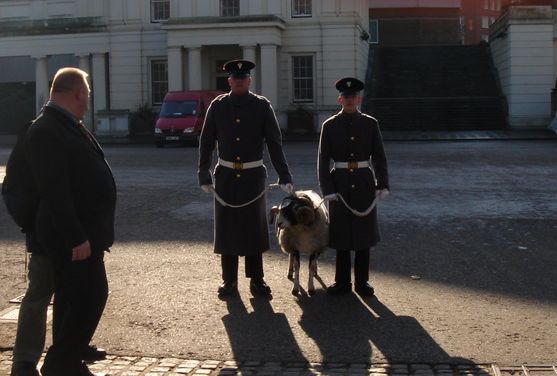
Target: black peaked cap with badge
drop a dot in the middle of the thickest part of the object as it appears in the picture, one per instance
(349, 86)
(238, 68)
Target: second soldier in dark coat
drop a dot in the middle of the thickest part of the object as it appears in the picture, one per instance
(352, 141)
(239, 123)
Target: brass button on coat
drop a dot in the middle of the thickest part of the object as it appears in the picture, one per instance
(237, 138)
(352, 138)
(237, 158)
(238, 175)
(237, 120)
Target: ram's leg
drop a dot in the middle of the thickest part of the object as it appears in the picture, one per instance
(296, 289)
(312, 273)
(291, 266)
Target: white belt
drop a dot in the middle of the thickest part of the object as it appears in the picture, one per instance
(352, 165)
(240, 165)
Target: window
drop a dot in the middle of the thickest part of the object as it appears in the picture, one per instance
(470, 24)
(486, 4)
(498, 5)
(160, 10)
(301, 8)
(229, 8)
(485, 22)
(302, 78)
(159, 81)
(373, 31)
(492, 5)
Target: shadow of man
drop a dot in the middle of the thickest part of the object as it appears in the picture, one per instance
(349, 329)
(260, 335)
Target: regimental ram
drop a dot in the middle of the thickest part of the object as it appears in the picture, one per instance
(302, 226)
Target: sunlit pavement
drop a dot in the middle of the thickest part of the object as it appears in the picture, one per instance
(464, 274)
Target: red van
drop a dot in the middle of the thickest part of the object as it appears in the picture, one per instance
(181, 116)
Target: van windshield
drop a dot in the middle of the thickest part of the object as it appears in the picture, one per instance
(172, 109)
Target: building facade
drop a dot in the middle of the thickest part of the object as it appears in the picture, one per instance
(136, 50)
(477, 16)
(524, 48)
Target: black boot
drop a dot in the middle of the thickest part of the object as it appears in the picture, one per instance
(339, 288)
(228, 289)
(364, 289)
(93, 353)
(258, 286)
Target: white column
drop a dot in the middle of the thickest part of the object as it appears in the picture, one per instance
(85, 66)
(175, 69)
(41, 82)
(249, 54)
(84, 63)
(269, 73)
(194, 68)
(99, 82)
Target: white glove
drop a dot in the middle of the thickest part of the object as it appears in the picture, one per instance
(383, 193)
(331, 197)
(207, 188)
(288, 188)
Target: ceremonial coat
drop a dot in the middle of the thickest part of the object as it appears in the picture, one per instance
(239, 126)
(344, 138)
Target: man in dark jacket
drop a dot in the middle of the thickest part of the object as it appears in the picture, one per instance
(75, 220)
(240, 122)
(352, 141)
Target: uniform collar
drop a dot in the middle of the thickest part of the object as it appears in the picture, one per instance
(242, 99)
(347, 116)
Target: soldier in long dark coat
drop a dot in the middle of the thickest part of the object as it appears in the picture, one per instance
(239, 123)
(352, 141)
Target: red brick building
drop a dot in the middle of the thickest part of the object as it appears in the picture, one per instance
(477, 16)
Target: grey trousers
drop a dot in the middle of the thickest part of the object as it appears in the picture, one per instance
(31, 323)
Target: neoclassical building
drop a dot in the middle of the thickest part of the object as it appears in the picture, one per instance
(136, 50)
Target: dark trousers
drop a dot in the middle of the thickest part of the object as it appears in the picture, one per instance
(361, 266)
(254, 267)
(81, 291)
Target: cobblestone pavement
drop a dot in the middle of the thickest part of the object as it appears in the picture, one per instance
(148, 366)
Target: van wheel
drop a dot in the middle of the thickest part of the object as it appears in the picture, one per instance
(159, 144)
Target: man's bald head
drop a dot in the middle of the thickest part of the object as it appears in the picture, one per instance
(68, 79)
(70, 90)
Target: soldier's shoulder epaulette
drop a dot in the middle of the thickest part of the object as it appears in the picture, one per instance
(369, 117)
(330, 121)
(261, 98)
(335, 116)
(220, 97)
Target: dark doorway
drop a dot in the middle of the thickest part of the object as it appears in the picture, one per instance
(17, 105)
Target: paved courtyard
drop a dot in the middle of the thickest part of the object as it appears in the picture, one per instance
(465, 275)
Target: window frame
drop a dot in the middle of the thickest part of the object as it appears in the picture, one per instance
(154, 83)
(305, 5)
(154, 16)
(235, 8)
(311, 87)
(376, 22)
